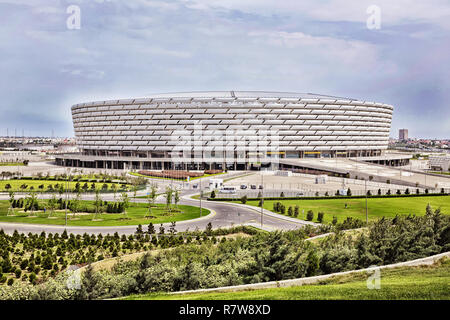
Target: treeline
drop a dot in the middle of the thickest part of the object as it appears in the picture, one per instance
(263, 257)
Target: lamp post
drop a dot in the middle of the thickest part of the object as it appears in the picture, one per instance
(262, 197)
(365, 189)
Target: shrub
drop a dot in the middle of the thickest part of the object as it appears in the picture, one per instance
(349, 192)
(213, 194)
(310, 215)
(334, 220)
(244, 199)
(10, 281)
(320, 217)
(296, 211)
(290, 211)
(407, 191)
(398, 191)
(282, 195)
(282, 209)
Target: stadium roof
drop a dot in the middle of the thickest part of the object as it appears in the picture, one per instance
(242, 94)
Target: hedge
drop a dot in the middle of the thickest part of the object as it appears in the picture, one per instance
(337, 197)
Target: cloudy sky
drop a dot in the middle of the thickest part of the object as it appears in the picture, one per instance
(133, 48)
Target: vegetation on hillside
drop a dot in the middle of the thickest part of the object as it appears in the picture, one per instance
(206, 262)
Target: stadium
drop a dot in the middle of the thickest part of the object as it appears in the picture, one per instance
(233, 130)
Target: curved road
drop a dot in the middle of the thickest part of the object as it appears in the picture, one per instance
(222, 215)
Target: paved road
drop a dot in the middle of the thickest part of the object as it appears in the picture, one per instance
(222, 215)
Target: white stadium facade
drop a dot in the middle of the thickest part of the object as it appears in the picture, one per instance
(234, 130)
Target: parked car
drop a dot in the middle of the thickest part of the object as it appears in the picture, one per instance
(243, 186)
(299, 194)
(260, 187)
(253, 186)
(194, 186)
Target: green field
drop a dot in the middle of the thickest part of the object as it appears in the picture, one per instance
(11, 164)
(15, 185)
(416, 283)
(356, 208)
(137, 213)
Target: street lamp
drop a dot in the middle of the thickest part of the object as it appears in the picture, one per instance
(262, 197)
(365, 189)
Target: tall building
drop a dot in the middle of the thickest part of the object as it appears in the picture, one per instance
(403, 134)
(225, 130)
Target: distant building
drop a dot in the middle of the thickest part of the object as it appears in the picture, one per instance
(440, 163)
(403, 134)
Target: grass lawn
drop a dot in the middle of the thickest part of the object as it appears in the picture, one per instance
(416, 283)
(441, 172)
(15, 185)
(356, 208)
(11, 164)
(136, 214)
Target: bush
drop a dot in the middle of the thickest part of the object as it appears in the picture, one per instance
(213, 194)
(310, 215)
(282, 209)
(290, 211)
(334, 220)
(296, 211)
(10, 281)
(244, 199)
(320, 217)
(282, 195)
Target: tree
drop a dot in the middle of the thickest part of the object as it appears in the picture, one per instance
(125, 202)
(213, 194)
(334, 222)
(244, 199)
(52, 203)
(139, 232)
(310, 215)
(260, 203)
(379, 192)
(176, 198)
(7, 186)
(282, 195)
(114, 188)
(172, 229)
(349, 192)
(169, 193)
(11, 201)
(296, 211)
(151, 229)
(208, 229)
(320, 217)
(161, 229)
(75, 204)
(97, 203)
(31, 201)
(290, 211)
